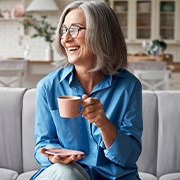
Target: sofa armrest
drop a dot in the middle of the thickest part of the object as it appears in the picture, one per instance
(11, 104)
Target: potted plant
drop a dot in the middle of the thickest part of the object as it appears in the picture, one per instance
(42, 29)
(155, 47)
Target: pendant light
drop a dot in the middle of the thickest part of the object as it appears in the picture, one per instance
(42, 5)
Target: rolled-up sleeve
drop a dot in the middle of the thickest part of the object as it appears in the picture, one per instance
(126, 148)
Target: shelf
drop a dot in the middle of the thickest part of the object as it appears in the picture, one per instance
(167, 13)
(144, 27)
(146, 13)
(121, 12)
(174, 66)
(15, 19)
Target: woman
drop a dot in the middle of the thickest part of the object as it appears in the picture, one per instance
(110, 127)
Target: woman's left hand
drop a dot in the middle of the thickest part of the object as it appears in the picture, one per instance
(93, 111)
(55, 158)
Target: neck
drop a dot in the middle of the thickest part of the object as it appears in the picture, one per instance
(89, 79)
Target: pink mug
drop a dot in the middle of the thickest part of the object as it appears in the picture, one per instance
(69, 106)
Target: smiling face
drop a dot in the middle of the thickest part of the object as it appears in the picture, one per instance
(77, 51)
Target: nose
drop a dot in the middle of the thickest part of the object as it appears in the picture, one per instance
(67, 36)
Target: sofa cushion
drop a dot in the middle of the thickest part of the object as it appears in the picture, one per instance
(147, 176)
(148, 158)
(26, 175)
(10, 128)
(7, 174)
(169, 134)
(172, 176)
(28, 146)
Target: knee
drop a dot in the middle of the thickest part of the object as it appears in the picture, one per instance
(65, 170)
(70, 171)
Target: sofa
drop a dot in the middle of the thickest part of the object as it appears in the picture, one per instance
(160, 157)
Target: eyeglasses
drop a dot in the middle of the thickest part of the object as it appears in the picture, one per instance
(73, 30)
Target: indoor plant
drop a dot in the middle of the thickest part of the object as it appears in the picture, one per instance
(155, 47)
(42, 29)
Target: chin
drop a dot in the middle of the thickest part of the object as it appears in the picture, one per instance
(72, 60)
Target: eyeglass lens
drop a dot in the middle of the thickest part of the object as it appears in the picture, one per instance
(72, 30)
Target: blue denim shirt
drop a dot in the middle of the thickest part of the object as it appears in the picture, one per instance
(121, 96)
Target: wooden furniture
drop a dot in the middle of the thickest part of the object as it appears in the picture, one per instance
(153, 79)
(22, 73)
(12, 72)
(138, 58)
(174, 66)
(40, 67)
(146, 65)
(148, 19)
(36, 70)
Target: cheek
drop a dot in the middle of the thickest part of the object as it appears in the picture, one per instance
(81, 38)
(83, 45)
(83, 41)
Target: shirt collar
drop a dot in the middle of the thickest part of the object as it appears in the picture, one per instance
(66, 71)
(69, 69)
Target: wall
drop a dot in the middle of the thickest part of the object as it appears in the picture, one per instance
(13, 39)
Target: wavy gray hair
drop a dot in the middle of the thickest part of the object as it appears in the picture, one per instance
(103, 36)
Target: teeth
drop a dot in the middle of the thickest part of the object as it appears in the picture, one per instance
(73, 48)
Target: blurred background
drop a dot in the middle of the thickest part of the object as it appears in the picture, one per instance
(150, 27)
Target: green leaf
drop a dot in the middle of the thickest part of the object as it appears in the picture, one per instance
(42, 27)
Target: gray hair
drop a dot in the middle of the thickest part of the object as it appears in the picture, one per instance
(103, 36)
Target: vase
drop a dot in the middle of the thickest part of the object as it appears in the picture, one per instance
(49, 53)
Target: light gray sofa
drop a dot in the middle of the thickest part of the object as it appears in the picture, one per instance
(160, 157)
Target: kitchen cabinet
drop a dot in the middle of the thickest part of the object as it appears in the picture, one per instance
(143, 19)
(121, 9)
(148, 19)
(167, 19)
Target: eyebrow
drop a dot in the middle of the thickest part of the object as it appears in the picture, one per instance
(74, 24)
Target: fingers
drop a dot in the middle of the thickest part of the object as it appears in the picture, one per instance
(93, 111)
(78, 157)
(43, 151)
(89, 101)
(85, 96)
(59, 159)
(69, 159)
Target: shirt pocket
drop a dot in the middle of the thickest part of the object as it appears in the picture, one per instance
(72, 132)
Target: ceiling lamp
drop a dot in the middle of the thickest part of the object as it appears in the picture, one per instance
(42, 5)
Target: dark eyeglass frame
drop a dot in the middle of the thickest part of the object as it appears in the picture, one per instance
(64, 30)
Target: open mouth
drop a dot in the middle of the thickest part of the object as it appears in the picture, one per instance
(73, 49)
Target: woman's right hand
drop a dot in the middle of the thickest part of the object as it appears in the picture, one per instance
(55, 158)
